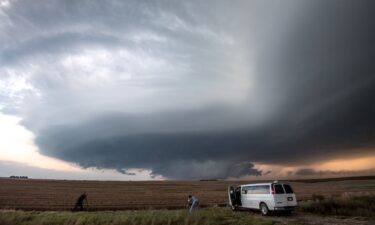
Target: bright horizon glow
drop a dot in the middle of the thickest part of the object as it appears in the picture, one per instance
(342, 167)
(17, 145)
(17, 148)
(361, 163)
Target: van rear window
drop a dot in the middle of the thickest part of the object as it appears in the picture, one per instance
(288, 189)
(278, 189)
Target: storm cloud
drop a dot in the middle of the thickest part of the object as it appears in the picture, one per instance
(311, 172)
(191, 90)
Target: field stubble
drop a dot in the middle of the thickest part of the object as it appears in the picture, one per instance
(123, 195)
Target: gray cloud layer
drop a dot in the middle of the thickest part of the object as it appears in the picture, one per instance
(191, 90)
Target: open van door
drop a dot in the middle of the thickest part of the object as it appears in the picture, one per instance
(231, 197)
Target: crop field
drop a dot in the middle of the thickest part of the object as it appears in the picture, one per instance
(46, 195)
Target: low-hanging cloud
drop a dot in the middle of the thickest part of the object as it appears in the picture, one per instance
(191, 90)
(306, 172)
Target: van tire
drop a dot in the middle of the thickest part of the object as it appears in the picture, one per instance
(233, 208)
(264, 209)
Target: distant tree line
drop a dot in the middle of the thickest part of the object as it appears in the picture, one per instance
(18, 177)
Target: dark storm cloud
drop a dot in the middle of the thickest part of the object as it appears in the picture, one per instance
(209, 88)
(170, 145)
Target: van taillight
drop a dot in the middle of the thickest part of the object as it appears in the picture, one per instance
(273, 189)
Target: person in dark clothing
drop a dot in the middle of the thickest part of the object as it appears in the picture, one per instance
(79, 204)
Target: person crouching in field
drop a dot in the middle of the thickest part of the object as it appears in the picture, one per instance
(193, 202)
(79, 204)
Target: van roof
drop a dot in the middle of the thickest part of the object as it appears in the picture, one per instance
(258, 184)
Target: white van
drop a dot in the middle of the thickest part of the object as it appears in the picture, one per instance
(263, 196)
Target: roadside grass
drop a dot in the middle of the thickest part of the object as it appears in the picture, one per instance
(209, 216)
(353, 206)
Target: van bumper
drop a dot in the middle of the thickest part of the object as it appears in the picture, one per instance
(284, 208)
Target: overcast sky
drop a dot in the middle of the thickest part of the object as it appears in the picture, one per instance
(187, 89)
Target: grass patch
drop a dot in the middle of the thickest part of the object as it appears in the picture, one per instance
(353, 206)
(210, 216)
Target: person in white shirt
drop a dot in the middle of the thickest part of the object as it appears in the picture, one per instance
(193, 202)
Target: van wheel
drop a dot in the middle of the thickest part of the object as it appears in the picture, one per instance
(264, 209)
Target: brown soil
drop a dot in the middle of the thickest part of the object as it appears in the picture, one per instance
(123, 195)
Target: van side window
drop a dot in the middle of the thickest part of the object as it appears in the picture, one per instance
(288, 189)
(278, 189)
(245, 190)
(250, 190)
(262, 189)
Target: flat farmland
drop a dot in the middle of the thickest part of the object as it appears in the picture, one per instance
(43, 195)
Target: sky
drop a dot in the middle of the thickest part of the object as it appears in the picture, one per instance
(187, 90)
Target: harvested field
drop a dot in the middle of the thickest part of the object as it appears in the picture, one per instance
(124, 195)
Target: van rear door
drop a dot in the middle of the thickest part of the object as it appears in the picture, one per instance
(290, 196)
(279, 195)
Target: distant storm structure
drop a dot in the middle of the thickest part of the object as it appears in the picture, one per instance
(187, 89)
